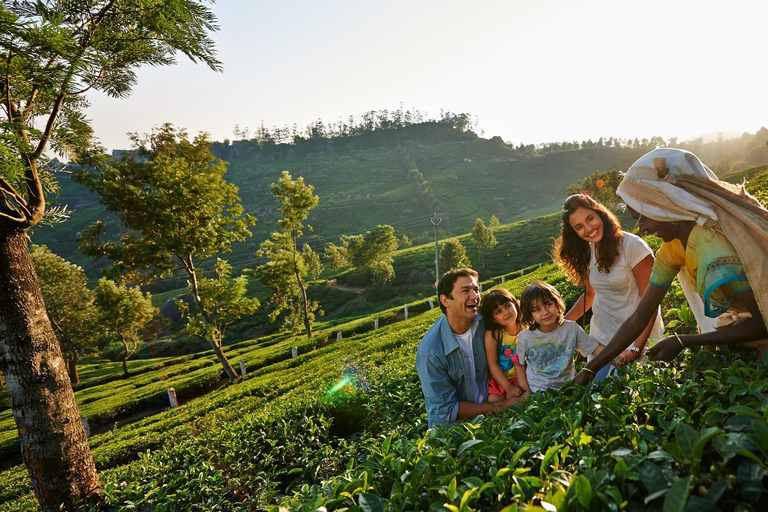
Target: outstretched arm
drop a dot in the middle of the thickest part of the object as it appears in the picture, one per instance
(752, 329)
(642, 274)
(468, 410)
(626, 334)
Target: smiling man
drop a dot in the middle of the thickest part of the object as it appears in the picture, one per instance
(451, 359)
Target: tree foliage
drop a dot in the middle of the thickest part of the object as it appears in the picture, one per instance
(52, 53)
(370, 253)
(126, 314)
(224, 298)
(70, 307)
(178, 210)
(453, 255)
(600, 186)
(288, 267)
(483, 238)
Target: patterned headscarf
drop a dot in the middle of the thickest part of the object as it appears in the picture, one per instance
(649, 187)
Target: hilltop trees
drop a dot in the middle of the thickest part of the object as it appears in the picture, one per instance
(288, 268)
(69, 303)
(52, 54)
(172, 198)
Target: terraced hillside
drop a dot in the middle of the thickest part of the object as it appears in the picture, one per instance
(342, 426)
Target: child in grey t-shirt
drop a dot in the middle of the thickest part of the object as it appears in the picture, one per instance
(546, 348)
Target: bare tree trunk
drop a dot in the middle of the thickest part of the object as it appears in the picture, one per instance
(304, 304)
(216, 346)
(125, 356)
(304, 300)
(53, 442)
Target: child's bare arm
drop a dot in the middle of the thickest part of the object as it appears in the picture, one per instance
(598, 349)
(522, 380)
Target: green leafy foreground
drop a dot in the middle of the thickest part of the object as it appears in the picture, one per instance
(343, 428)
(658, 438)
(684, 437)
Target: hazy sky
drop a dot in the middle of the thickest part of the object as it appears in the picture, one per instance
(530, 71)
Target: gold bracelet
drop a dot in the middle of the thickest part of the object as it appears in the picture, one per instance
(589, 370)
(679, 340)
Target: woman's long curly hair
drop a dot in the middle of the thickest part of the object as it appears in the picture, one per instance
(492, 300)
(571, 252)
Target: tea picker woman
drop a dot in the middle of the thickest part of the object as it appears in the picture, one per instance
(715, 238)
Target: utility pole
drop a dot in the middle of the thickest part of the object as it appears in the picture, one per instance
(436, 222)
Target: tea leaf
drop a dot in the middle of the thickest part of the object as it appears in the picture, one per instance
(468, 444)
(677, 495)
(583, 491)
(370, 502)
(652, 477)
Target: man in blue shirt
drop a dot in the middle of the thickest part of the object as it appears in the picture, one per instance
(450, 359)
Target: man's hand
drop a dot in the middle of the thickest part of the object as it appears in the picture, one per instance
(665, 350)
(584, 377)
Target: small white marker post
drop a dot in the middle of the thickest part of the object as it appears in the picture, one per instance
(481, 287)
(294, 352)
(375, 323)
(540, 264)
(86, 426)
(242, 368)
(338, 336)
(502, 279)
(405, 312)
(431, 304)
(522, 272)
(172, 397)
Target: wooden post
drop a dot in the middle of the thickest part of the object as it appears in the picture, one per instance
(86, 426)
(405, 312)
(294, 352)
(242, 368)
(172, 397)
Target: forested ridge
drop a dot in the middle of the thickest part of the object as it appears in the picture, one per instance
(399, 168)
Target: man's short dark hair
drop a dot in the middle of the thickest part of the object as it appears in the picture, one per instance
(445, 285)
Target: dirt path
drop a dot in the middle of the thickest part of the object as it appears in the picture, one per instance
(333, 284)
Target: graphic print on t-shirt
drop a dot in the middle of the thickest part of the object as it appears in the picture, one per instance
(548, 357)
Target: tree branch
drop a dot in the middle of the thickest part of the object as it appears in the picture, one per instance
(7, 189)
(20, 220)
(93, 84)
